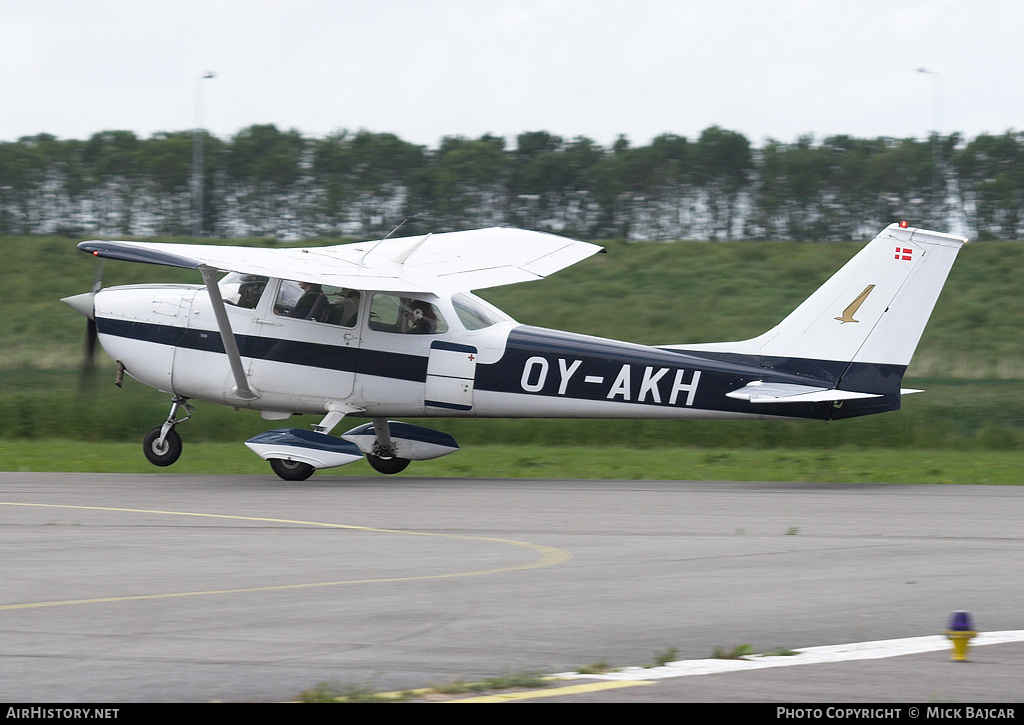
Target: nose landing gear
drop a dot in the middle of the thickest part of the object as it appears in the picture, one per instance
(162, 445)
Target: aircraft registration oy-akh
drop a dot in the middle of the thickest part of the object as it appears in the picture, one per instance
(389, 328)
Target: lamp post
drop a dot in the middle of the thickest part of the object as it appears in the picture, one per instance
(197, 158)
(937, 133)
(937, 106)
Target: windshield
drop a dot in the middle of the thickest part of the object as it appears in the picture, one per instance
(474, 313)
(242, 290)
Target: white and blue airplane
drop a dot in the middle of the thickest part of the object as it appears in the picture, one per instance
(389, 328)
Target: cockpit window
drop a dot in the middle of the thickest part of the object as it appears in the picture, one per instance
(317, 302)
(242, 290)
(472, 313)
(390, 313)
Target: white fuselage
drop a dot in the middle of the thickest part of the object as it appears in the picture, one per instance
(166, 336)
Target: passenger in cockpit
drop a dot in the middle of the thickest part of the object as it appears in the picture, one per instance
(424, 321)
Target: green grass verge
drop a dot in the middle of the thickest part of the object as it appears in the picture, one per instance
(841, 465)
(954, 414)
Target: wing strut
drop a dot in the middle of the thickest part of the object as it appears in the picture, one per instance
(241, 389)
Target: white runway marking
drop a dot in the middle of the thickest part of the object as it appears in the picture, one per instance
(808, 656)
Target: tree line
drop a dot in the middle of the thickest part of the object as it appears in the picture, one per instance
(267, 182)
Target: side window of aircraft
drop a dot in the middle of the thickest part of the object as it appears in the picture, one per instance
(390, 313)
(472, 314)
(242, 290)
(317, 302)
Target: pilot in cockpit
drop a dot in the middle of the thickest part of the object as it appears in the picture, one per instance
(311, 303)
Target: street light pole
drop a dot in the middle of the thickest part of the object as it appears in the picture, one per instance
(937, 104)
(937, 133)
(197, 158)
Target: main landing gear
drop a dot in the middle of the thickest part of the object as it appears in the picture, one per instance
(295, 454)
(384, 457)
(162, 445)
(291, 470)
(387, 465)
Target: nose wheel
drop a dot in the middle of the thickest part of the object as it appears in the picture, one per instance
(162, 452)
(162, 445)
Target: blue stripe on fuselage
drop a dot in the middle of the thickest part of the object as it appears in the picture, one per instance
(294, 352)
(576, 367)
(554, 363)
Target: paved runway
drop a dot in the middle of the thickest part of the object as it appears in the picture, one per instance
(196, 588)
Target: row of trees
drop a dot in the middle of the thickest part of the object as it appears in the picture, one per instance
(268, 182)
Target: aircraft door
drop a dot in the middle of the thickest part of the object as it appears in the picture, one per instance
(307, 342)
(451, 369)
(408, 362)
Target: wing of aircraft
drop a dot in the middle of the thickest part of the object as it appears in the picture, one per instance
(456, 261)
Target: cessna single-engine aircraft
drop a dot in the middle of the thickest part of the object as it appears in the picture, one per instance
(389, 328)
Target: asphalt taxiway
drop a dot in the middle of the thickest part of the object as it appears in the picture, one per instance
(165, 587)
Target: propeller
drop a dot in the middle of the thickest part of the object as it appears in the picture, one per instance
(85, 304)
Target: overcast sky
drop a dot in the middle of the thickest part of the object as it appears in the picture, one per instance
(424, 69)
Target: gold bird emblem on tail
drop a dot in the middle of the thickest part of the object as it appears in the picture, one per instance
(851, 310)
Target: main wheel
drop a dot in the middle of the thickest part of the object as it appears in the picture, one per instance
(386, 465)
(162, 455)
(291, 470)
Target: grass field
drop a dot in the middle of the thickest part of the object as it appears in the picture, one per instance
(970, 361)
(839, 465)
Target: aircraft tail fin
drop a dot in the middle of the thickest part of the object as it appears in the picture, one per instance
(872, 311)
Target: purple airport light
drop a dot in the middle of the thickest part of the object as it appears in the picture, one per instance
(960, 622)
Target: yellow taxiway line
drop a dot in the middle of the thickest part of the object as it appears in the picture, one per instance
(555, 691)
(548, 556)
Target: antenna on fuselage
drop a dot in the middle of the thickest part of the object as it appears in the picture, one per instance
(369, 251)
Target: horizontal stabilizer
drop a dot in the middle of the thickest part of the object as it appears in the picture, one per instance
(760, 392)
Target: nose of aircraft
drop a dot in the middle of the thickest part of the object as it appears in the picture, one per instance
(83, 304)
